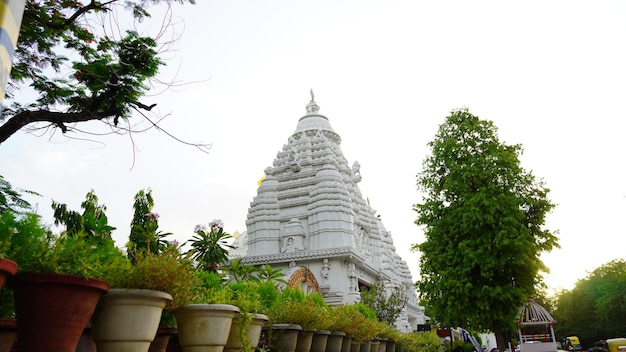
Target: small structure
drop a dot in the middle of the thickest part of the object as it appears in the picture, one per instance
(535, 329)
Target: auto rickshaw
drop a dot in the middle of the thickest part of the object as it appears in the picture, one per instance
(572, 343)
(616, 345)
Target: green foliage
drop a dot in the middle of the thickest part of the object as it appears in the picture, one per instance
(419, 342)
(168, 271)
(483, 218)
(78, 70)
(212, 289)
(594, 310)
(36, 249)
(209, 247)
(11, 198)
(144, 236)
(295, 307)
(269, 295)
(386, 306)
(356, 320)
(238, 271)
(93, 222)
(267, 274)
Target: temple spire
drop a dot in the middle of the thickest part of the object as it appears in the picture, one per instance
(312, 106)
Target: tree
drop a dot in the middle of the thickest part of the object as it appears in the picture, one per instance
(81, 65)
(92, 223)
(482, 215)
(594, 310)
(386, 305)
(11, 198)
(144, 236)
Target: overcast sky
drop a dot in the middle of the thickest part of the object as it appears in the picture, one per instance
(551, 75)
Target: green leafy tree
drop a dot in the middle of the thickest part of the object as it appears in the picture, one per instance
(145, 236)
(92, 223)
(594, 310)
(11, 198)
(81, 65)
(483, 218)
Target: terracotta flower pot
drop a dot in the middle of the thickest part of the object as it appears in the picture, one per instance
(8, 268)
(52, 310)
(234, 343)
(204, 327)
(162, 339)
(128, 319)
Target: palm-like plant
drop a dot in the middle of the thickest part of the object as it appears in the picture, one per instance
(267, 274)
(238, 271)
(209, 247)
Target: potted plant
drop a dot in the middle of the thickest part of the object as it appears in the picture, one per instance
(246, 328)
(294, 307)
(52, 270)
(206, 322)
(157, 279)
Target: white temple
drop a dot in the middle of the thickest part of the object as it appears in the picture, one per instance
(310, 219)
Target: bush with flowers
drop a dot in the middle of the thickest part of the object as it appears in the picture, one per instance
(209, 246)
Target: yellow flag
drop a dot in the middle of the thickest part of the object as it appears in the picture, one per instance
(261, 180)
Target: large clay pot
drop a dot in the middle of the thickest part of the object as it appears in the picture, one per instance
(8, 268)
(204, 327)
(52, 310)
(281, 337)
(320, 340)
(335, 341)
(8, 332)
(234, 343)
(128, 319)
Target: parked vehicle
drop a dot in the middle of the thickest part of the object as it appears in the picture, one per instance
(572, 343)
(616, 345)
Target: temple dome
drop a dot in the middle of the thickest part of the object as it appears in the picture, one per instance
(313, 120)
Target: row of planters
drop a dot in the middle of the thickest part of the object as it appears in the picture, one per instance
(77, 291)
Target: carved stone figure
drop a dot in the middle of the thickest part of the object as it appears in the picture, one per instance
(325, 270)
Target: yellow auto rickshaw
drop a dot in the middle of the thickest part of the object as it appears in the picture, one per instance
(572, 343)
(616, 345)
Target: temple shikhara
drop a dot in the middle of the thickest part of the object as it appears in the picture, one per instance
(310, 219)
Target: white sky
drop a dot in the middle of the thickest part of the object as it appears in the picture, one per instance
(550, 74)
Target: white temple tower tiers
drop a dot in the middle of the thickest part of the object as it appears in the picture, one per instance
(309, 214)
